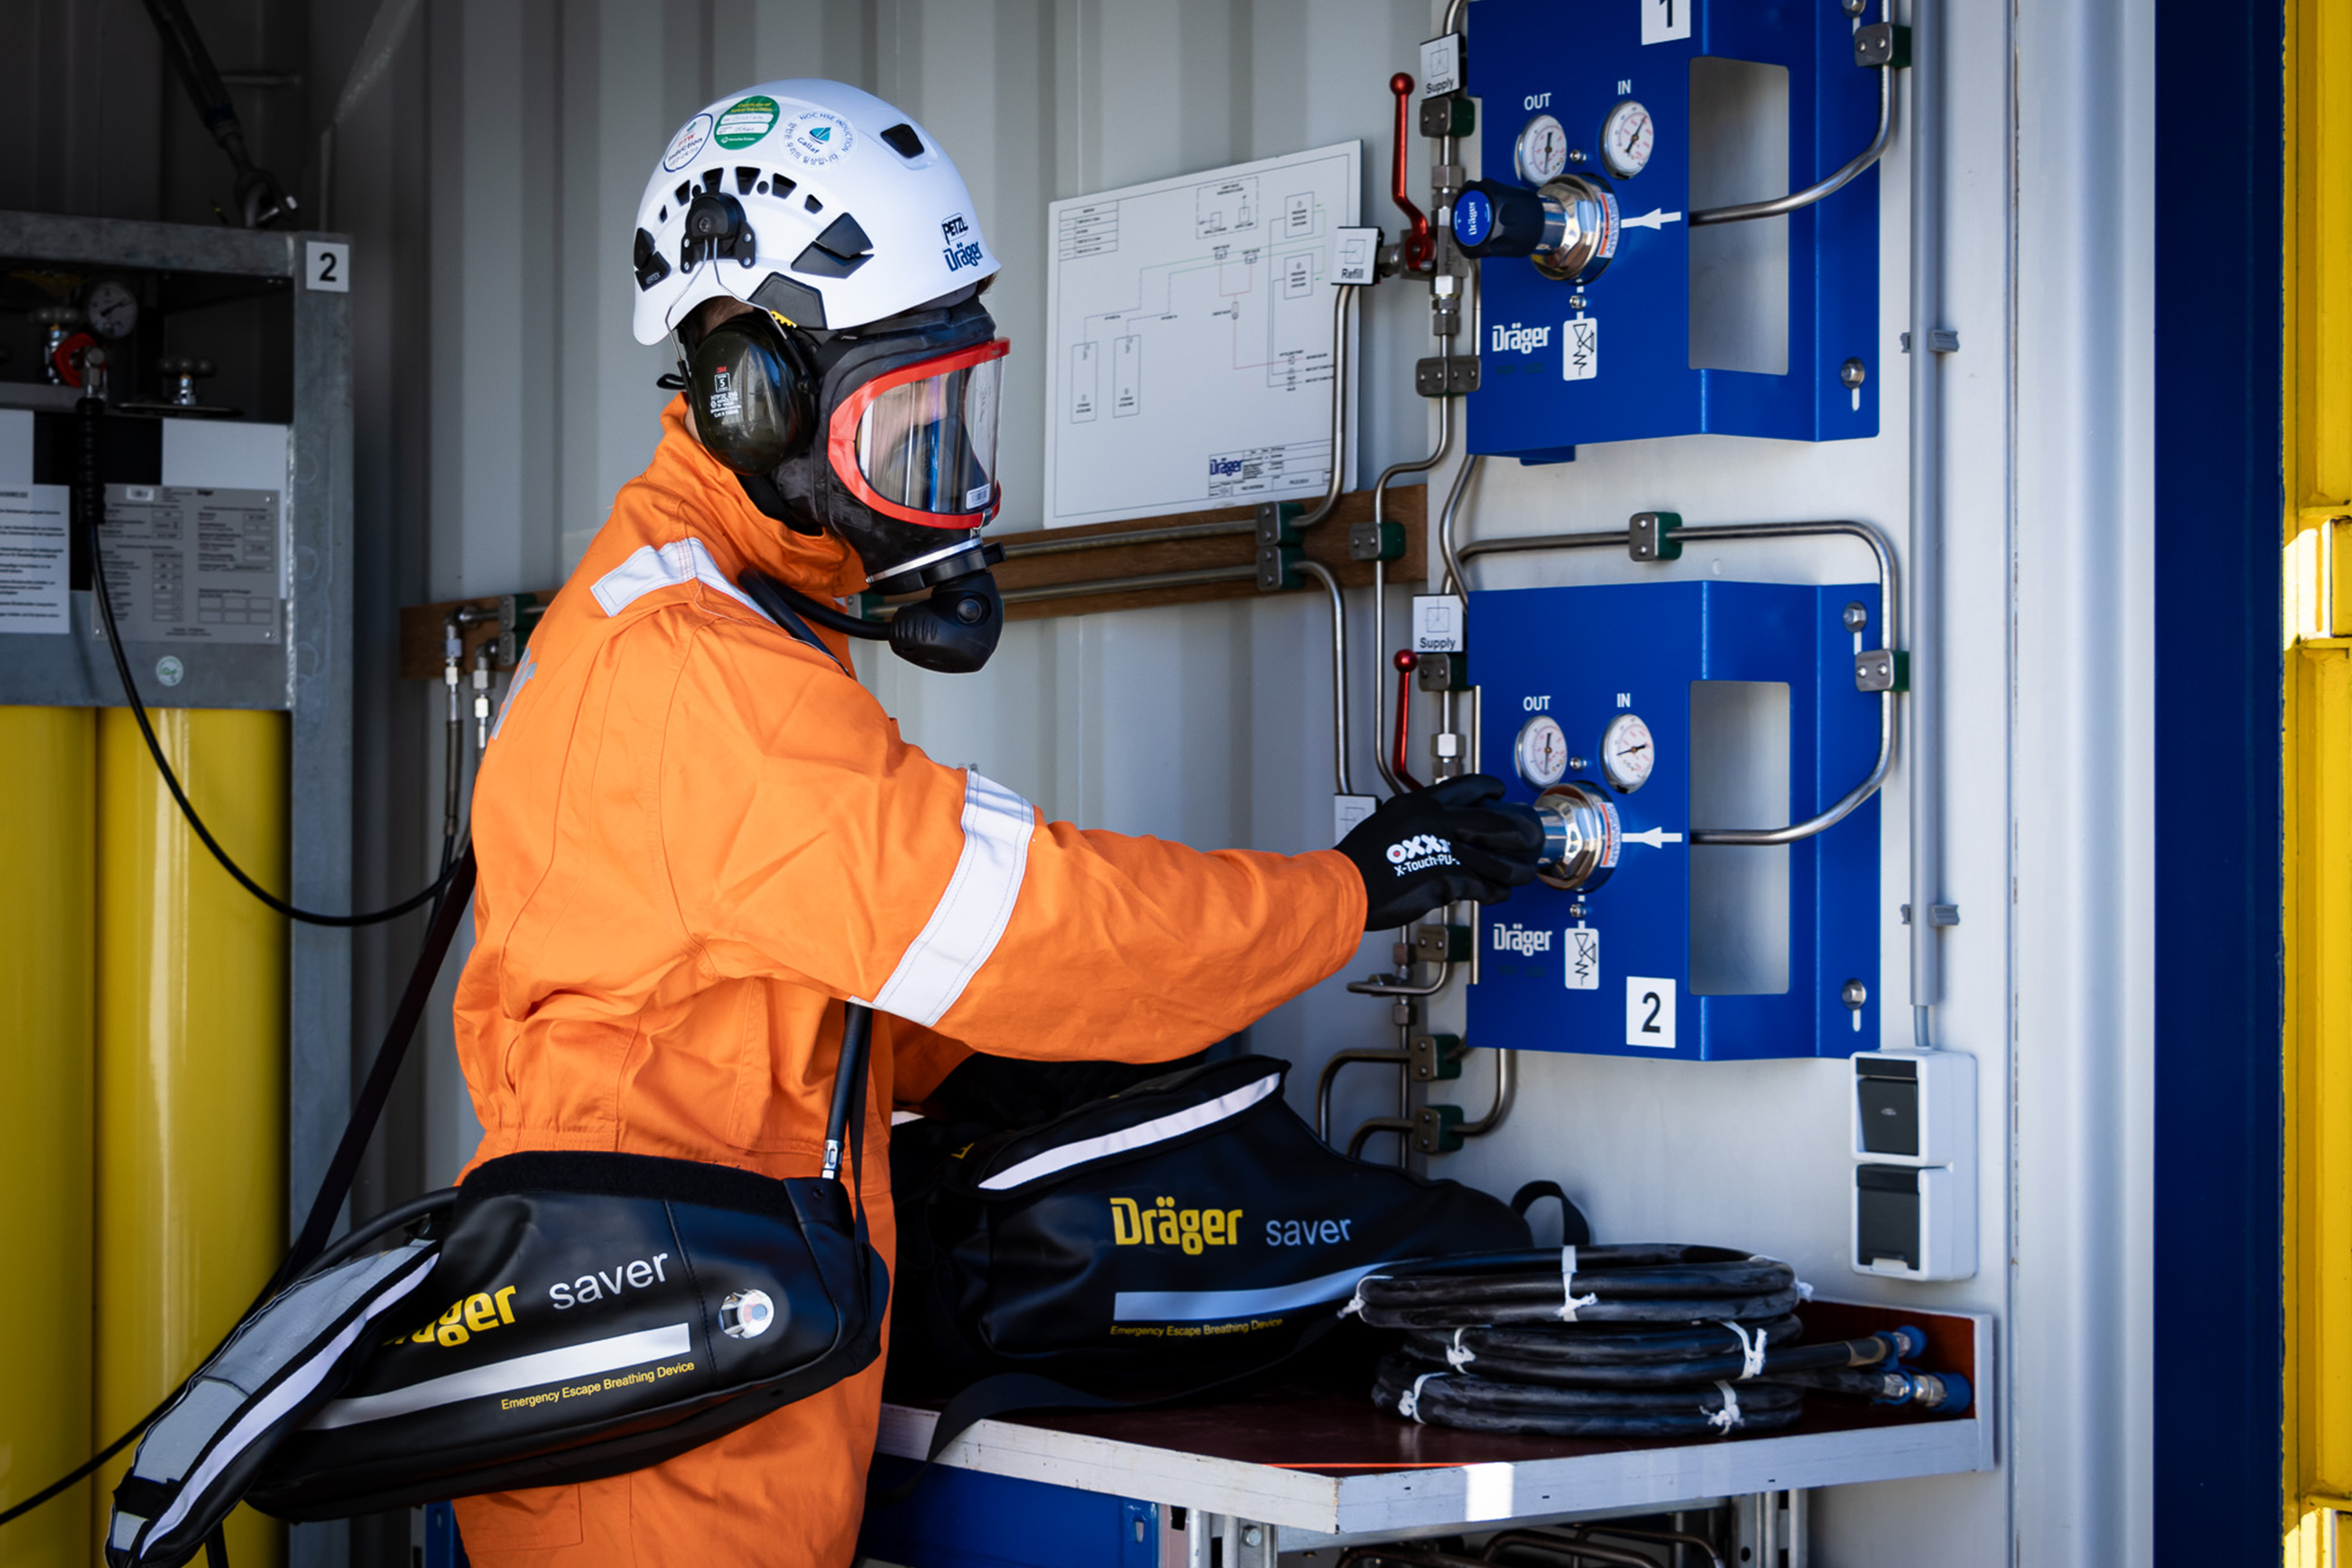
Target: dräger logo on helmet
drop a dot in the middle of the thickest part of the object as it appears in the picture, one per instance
(958, 251)
(1522, 939)
(1420, 852)
(1517, 339)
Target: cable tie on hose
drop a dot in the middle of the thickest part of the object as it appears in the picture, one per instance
(1805, 1292)
(1356, 1302)
(1457, 1355)
(1570, 1303)
(1409, 1402)
(1724, 1419)
(1751, 1348)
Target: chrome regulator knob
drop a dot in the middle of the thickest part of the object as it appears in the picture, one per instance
(1581, 835)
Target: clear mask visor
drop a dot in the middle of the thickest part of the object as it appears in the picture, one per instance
(922, 440)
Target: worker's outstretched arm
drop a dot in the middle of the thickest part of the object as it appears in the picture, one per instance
(801, 835)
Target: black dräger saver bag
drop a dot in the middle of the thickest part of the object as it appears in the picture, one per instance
(1181, 1232)
(581, 1315)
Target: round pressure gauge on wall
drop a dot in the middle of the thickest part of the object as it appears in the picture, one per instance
(1540, 754)
(1627, 754)
(1627, 138)
(111, 308)
(1541, 152)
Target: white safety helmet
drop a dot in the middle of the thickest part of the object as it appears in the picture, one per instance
(812, 199)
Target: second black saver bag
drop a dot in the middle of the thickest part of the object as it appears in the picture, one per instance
(1183, 1231)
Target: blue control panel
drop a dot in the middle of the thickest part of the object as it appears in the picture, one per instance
(1697, 954)
(1742, 328)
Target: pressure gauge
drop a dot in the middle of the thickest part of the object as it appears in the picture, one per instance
(1627, 754)
(1627, 139)
(1541, 152)
(1541, 751)
(113, 309)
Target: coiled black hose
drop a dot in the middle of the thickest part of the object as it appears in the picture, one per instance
(1443, 1398)
(1641, 1282)
(1625, 1341)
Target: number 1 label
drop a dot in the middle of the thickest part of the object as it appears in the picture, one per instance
(1664, 21)
(1648, 1012)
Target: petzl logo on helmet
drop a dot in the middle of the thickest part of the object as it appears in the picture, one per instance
(747, 120)
(1420, 852)
(817, 139)
(686, 144)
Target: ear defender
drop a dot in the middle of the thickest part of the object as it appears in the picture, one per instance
(751, 394)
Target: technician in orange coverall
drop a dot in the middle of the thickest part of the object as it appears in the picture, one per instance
(699, 836)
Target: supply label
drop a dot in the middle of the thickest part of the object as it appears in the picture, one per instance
(191, 564)
(34, 546)
(1437, 624)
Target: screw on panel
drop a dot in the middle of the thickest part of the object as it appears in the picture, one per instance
(1649, 536)
(1853, 993)
(1853, 374)
(1856, 617)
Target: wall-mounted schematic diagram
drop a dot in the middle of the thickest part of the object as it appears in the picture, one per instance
(1189, 326)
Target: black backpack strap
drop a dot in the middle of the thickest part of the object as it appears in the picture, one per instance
(1575, 1230)
(1008, 1391)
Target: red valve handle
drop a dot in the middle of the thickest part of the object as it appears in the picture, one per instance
(1406, 661)
(1419, 249)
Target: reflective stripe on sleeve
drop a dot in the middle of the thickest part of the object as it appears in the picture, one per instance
(972, 913)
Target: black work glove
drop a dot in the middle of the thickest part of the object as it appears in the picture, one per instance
(1439, 845)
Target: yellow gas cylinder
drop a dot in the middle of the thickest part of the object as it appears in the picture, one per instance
(191, 1061)
(48, 867)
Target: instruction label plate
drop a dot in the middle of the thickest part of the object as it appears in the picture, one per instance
(186, 563)
(35, 556)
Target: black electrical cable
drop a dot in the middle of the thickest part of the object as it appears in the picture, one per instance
(93, 515)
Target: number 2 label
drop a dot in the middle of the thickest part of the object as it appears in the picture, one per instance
(326, 265)
(1648, 1012)
(1664, 21)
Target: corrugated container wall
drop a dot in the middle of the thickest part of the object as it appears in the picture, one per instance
(489, 173)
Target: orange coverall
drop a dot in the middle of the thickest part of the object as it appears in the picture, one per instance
(698, 836)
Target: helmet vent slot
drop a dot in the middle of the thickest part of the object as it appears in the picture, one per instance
(903, 141)
(780, 186)
(684, 194)
(812, 205)
(744, 180)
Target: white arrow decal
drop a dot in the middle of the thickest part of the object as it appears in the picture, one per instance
(1656, 217)
(1656, 837)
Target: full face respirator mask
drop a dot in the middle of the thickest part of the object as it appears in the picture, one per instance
(886, 434)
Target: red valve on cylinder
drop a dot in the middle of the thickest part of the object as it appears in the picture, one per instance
(1419, 249)
(1406, 662)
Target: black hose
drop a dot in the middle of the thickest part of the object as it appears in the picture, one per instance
(261, 200)
(1595, 1359)
(93, 515)
(1626, 1283)
(1484, 1405)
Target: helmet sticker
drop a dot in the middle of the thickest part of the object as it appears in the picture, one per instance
(817, 139)
(686, 144)
(746, 121)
